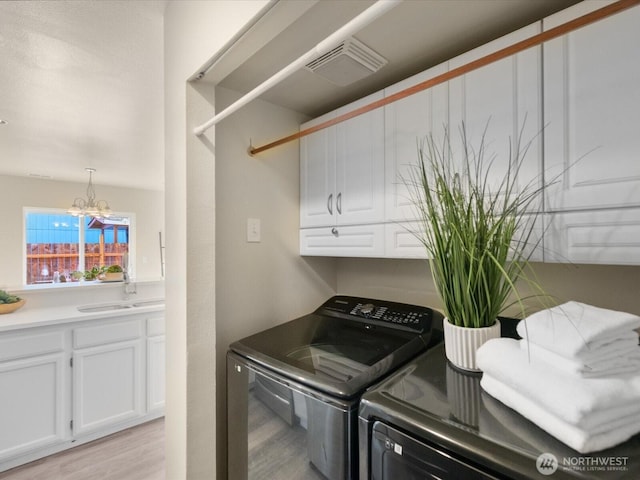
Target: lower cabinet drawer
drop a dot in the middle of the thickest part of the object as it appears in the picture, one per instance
(107, 333)
(14, 346)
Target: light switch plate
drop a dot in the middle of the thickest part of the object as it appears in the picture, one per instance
(253, 230)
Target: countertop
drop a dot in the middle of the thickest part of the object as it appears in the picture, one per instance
(28, 317)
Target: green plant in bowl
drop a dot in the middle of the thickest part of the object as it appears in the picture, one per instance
(114, 269)
(7, 298)
(76, 275)
(10, 303)
(93, 273)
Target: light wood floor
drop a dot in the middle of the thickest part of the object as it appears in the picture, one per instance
(133, 454)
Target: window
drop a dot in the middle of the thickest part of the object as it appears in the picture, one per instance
(58, 244)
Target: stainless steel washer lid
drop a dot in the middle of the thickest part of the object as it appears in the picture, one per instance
(333, 355)
(334, 350)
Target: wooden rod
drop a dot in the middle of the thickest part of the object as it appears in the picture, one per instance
(518, 47)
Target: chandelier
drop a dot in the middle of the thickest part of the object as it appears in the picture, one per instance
(90, 206)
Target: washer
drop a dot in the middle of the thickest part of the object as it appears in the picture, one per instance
(293, 390)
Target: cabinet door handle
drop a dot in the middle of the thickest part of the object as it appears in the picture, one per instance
(330, 204)
(334, 231)
(339, 203)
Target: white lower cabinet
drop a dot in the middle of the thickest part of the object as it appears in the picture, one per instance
(33, 385)
(62, 386)
(31, 404)
(107, 385)
(156, 347)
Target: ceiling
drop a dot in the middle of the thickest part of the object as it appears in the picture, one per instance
(81, 85)
(413, 36)
(81, 82)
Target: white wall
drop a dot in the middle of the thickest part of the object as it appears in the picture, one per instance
(19, 192)
(261, 284)
(194, 32)
(607, 286)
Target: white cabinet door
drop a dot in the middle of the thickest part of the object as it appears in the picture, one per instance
(407, 123)
(342, 169)
(155, 373)
(343, 241)
(505, 97)
(107, 385)
(592, 112)
(360, 165)
(600, 236)
(32, 401)
(318, 175)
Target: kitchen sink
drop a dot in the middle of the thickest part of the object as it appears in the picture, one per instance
(103, 308)
(119, 306)
(148, 303)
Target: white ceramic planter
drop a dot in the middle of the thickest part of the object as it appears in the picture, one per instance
(461, 343)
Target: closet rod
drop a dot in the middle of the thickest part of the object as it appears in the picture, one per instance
(537, 39)
(357, 23)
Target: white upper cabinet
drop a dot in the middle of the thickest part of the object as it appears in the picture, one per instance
(317, 174)
(592, 111)
(610, 237)
(407, 123)
(342, 169)
(360, 165)
(568, 110)
(505, 97)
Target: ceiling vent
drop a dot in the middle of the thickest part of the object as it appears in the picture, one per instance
(347, 63)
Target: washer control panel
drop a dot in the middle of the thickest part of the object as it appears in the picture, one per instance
(379, 312)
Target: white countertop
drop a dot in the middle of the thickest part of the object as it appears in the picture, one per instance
(38, 317)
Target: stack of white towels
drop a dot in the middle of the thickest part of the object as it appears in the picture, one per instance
(575, 374)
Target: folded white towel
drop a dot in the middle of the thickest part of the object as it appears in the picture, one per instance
(584, 441)
(573, 327)
(622, 361)
(588, 403)
(622, 345)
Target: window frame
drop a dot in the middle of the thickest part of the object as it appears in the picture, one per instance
(81, 243)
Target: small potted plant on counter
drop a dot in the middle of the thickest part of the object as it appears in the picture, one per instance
(477, 229)
(113, 273)
(10, 303)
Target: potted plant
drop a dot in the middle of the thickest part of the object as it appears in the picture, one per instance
(112, 273)
(10, 303)
(477, 230)
(93, 273)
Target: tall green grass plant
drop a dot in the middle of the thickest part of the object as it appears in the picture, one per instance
(477, 226)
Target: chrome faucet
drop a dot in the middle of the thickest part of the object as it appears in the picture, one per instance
(129, 288)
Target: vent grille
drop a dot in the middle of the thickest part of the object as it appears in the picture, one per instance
(350, 61)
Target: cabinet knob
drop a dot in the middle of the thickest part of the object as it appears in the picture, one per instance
(334, 231)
